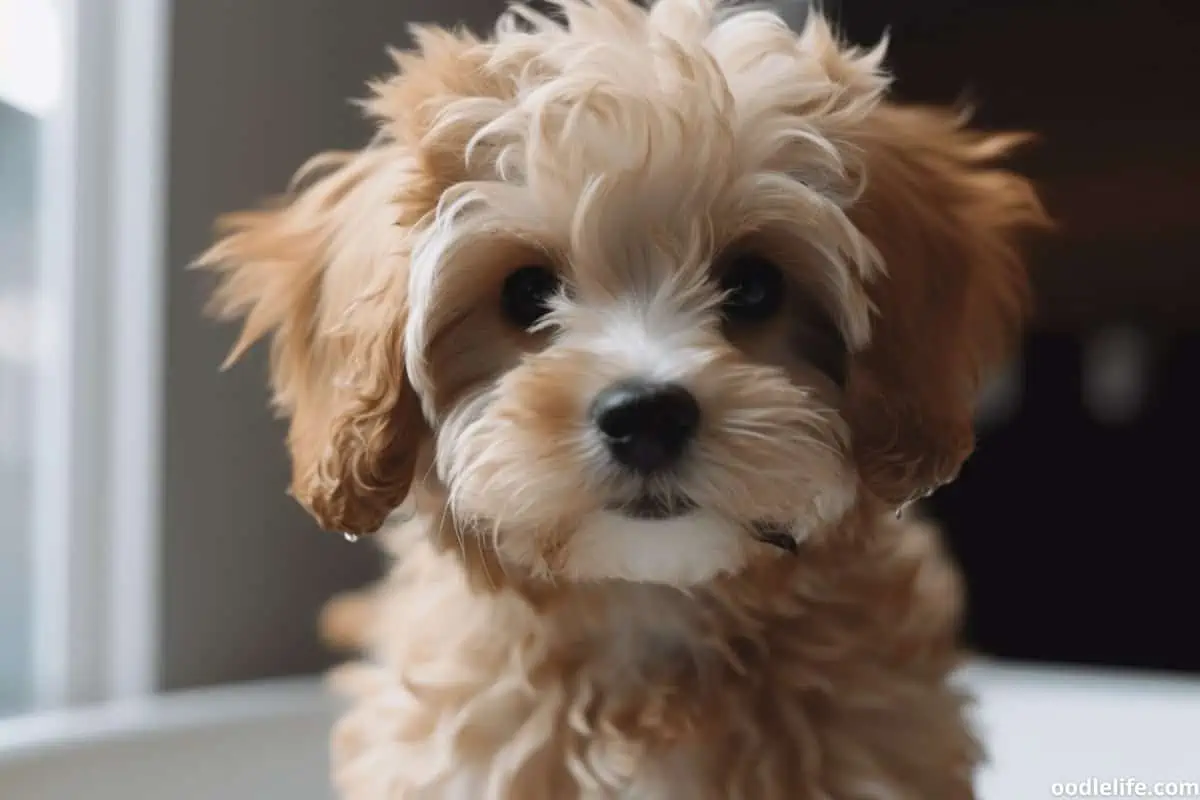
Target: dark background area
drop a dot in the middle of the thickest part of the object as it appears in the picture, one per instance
(1076, 522)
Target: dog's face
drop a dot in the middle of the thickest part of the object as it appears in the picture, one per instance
(647, 296)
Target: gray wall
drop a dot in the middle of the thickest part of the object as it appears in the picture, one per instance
(257, 86)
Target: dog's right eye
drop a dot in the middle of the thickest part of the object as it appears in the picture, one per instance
(525, 297)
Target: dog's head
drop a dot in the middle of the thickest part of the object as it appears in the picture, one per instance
(636, 295)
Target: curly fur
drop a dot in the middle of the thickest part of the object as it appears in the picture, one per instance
(529, 642)
(825, 678)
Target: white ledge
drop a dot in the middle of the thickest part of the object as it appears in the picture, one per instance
(268, 740)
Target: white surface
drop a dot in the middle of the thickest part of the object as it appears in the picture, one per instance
(253, 742)
(267, 741)
(1047, 726)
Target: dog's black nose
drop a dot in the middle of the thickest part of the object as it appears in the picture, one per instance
(646, 425)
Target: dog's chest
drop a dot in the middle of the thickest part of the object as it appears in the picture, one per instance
(621, 719)
(674, 775)
(670, 776)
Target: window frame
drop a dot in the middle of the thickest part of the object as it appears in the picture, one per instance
(101, 297)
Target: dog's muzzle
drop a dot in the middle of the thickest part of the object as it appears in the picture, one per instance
(646, 426)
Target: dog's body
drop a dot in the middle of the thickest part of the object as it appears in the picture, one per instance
(807, 678)
(655, 319)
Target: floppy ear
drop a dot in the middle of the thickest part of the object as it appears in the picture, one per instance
(947, 223)
(323, 272)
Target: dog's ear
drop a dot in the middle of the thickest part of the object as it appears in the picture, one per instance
(948, 223)
(323, 273)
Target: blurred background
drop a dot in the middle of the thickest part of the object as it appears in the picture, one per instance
(146, 542)
(1074, 520)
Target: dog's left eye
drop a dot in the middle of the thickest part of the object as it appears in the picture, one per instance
(753, 286)
(525, 297)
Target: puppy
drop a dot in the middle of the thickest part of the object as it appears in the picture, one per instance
(644, 323)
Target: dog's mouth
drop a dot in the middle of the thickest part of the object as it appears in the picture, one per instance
(657, 507)
(654, 507)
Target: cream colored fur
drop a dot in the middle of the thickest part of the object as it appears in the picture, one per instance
(531, 643)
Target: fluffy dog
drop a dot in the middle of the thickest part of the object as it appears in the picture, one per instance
(647, 321)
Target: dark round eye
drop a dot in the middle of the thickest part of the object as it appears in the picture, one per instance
(525, 296)
(754, 288)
